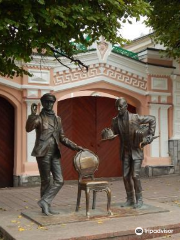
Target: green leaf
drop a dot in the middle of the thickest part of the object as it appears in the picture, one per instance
(41, 1)
(28, 25)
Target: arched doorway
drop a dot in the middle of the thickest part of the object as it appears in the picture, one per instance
(83, 120)
(6, 143)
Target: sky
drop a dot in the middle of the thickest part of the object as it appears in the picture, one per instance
(134, 30)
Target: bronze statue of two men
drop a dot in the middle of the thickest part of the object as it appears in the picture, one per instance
(49, 134)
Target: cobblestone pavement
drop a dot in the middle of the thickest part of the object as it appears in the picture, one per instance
(161, 191)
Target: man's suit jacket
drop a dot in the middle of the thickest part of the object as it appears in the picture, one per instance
(44, 131)
(134, 121)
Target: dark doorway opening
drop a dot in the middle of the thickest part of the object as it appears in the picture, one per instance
(6, 143)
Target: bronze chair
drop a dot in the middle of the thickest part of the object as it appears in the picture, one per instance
(86, 163)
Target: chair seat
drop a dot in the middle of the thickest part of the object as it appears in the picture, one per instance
(94, 183)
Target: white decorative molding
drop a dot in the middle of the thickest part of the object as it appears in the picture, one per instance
(103, 50)
(159, 83)
(10, 83)
(159, 70)
(98, 80)
(89, 58)
(163, 99)
(38, 66)
(127, 65)
(104, 70)
(102, 47)
(95, 94)
(35, 87)
(39, 76)
(153, 54)
(73, 85)
(44, 92)
(41, 63)
(32, 93)
(158, 93)
(154, 98)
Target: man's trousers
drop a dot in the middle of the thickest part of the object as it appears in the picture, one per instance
(50, 163)
(131, 173)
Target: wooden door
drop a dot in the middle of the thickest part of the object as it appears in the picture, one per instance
(6, 143)
(108, 151)
(83, 119)
(65, 112)
(78, 120)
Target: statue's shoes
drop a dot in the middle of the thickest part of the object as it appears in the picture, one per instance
(54, 212)
(127, 204)
(45, 207)
(138, 205)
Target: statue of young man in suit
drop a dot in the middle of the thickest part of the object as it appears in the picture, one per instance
(49, 134)
(125, 125)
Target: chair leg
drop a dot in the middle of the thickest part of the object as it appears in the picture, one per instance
(94, 200)
(87, 201)
(108, 191)
(78, 199)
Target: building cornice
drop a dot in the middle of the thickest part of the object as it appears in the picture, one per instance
(75, 85)
(128, 64)
(98, 80)
(158, 93)
(9, 83)
(159, 70)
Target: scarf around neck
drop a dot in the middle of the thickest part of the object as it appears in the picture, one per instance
(48, 113)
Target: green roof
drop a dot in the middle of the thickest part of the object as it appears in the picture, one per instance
(80, 48)
(125, 52)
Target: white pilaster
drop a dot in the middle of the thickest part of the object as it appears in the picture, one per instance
(155, 145)
(176, 107)
(164, 130)
(31, 136)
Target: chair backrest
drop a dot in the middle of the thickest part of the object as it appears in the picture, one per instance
(86, 163)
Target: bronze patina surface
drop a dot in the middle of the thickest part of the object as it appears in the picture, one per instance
(67, 214)
(86, 163)
(49, 135)
(132, 138)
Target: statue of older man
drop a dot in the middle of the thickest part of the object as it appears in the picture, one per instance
(126, 125)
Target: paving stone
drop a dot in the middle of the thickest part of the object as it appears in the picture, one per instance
(160, 192)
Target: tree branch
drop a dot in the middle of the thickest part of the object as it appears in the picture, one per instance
(81, 65)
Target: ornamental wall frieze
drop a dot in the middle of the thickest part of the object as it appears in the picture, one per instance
(38, 66)
(100, 70)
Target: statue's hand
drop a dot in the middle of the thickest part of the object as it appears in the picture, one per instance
(33, 108)
(149, 138)
(79, 148)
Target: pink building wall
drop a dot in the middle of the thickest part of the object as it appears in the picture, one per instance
(146, 87)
